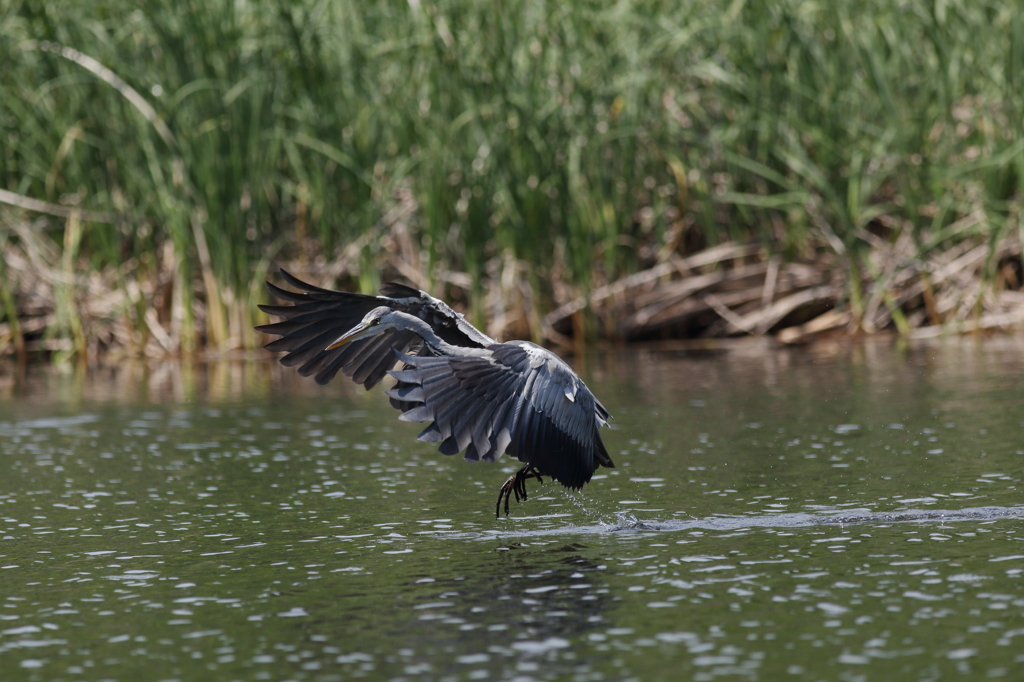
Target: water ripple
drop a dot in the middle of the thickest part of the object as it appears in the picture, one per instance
(627, 522)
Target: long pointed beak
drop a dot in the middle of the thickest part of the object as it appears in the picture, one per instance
(348, 337)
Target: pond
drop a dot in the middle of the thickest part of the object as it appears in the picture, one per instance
(844, 511)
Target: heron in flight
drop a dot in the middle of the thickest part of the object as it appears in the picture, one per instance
(480, 396)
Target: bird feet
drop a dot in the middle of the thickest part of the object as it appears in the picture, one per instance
(516, 484)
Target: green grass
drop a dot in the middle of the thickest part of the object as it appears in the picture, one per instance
(589, 133)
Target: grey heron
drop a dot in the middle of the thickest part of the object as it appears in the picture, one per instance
(482, 397)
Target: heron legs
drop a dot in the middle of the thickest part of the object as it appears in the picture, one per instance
(516, 484)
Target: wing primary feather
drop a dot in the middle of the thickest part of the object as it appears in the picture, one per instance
(406, 392)
(417, 414)
(430, 434)
(471, 454)
(449, 446)
(329, 369)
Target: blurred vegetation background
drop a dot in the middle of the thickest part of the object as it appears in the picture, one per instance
(157, 161)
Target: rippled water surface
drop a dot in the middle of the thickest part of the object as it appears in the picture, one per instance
(838, 512)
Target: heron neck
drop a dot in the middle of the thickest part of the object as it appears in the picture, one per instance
(424, 331)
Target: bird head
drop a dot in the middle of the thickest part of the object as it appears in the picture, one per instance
(375, 322)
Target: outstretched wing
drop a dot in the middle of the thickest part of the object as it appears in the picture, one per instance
(449, 325)
(317, 317)
(515, 398)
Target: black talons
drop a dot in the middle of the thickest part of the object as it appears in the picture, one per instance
(516, 484)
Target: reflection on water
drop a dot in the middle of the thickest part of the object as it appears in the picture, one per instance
(839, 512)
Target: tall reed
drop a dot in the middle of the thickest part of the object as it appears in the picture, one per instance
(583, 138)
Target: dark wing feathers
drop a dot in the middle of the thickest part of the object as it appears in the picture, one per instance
(312, 289)
(285, 295)
(367, 356)
(318, 317)
(305, 350)
(396, 290)
(507, 398)
(458, 393)
(431, 434)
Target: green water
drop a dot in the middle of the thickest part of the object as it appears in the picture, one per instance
(839, 512)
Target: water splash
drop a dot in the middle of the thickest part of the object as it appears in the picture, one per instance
(626, 522)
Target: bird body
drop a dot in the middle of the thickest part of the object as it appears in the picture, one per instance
(480, 396)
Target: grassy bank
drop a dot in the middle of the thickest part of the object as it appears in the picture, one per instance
(514, 156)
